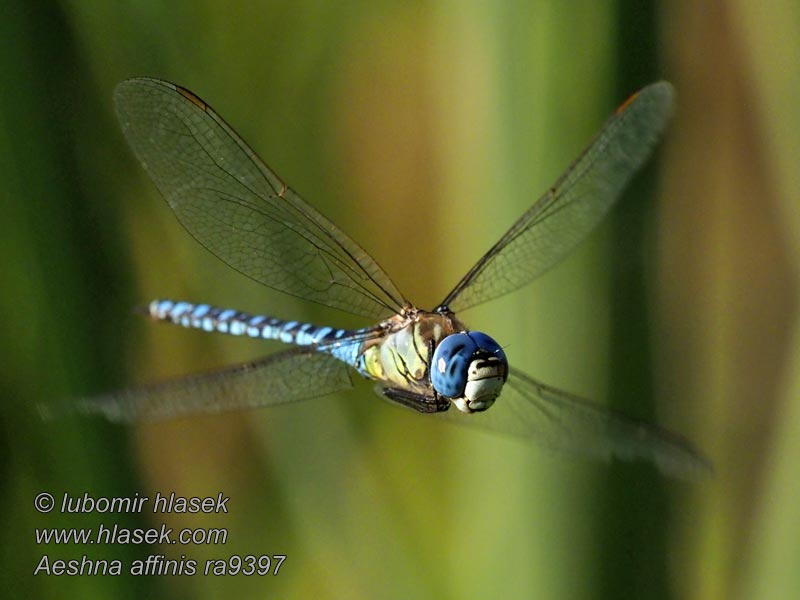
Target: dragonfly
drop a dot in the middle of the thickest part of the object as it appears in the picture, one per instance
(239, 209)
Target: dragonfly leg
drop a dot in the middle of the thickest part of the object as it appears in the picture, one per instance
(420, 402)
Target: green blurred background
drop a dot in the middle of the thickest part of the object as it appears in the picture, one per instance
(423, 130)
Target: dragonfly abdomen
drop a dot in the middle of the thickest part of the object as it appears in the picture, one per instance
(235, 322)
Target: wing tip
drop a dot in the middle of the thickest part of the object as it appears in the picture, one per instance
(662, 91)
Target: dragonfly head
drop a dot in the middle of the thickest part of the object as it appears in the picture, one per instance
(469, 368)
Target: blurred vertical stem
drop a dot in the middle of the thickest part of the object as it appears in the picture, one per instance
(58, 280)
(632, 545)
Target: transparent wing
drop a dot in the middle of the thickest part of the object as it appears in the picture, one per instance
(296, 374)
(239, 209)
(577, 202)
(560, 421)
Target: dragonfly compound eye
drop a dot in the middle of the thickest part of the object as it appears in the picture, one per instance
(469, 368)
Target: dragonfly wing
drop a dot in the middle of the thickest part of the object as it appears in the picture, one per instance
(569, 424)
(239, 209)
(565, 215)
(296, 374)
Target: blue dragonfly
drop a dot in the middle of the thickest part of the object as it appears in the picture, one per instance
(241, 211)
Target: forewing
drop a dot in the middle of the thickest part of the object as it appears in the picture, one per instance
(239, 209)
(569, 424)
(577, 202)
(296, 374)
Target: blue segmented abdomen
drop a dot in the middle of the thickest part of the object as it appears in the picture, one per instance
(338, 342)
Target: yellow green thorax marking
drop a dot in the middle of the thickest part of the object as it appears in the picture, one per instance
(402, 357)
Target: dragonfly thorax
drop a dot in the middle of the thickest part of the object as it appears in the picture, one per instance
(469, 368)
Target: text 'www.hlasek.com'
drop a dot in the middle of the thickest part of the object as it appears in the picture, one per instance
(108, 533)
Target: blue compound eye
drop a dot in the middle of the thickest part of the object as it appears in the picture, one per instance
(450, 364)
(487, 344)
(452, 359)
